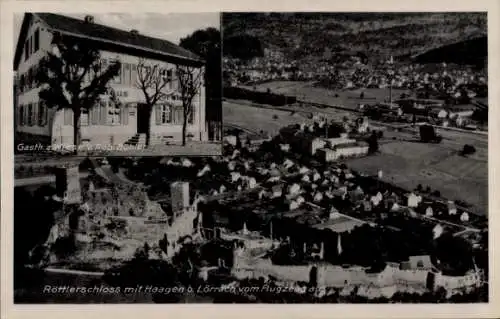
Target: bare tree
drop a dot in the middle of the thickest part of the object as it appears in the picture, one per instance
(190, 80)
(72, 77)
(152, 81)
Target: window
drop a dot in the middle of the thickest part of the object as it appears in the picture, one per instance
(114, 114)
(166, 114)
(37, 40)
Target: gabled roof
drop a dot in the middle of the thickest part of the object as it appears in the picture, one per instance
(101, 33)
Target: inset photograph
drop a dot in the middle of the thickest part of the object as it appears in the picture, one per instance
(117, 84)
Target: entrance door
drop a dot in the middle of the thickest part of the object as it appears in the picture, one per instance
(142, 118)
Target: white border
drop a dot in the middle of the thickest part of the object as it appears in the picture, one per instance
(7, 45)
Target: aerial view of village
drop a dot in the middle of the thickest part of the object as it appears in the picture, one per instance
(354, 170)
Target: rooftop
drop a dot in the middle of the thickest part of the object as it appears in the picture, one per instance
(102, 33)
(340, 224)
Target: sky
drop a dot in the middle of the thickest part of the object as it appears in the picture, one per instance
(170, 26)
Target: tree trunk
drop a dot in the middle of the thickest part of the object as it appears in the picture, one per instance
(76, 129)
(148, 126)
(184, 129)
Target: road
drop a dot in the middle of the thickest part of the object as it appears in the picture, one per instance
(40, 180)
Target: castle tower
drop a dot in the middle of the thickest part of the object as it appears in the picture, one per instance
(322, 251)
(179, 194)
(68, 184)
(245, 229)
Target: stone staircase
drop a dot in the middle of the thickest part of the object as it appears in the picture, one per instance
(138, 140)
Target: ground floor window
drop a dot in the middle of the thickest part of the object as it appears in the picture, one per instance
(21, 115)
(173, 114)
(103, 113)
(114, 114)
(31, 114)
(164, 114)
(191, 115)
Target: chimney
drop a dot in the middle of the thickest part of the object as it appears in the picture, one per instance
(134, 31)
(89, 19)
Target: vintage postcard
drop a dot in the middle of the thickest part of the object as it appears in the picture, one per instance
(335, 160)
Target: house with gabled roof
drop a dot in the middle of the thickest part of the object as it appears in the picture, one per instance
(105, 123)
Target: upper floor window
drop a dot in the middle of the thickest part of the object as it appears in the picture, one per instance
(37, 40)
(170, 79)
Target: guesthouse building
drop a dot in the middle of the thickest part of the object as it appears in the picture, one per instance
(105, 123)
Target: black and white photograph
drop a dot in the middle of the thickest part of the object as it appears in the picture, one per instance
(117, 84)
(354, 165)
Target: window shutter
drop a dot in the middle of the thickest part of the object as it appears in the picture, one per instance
(46, 115)
(169, 113)
(68, 116)
(125, 114)
(104, 113)
(35, 113)
(158, 114)
(25, 115)
(90, 121)
(133, 74)
(21, 115)
(30, 114)
(192, 114)
(181, 115)
(37, 40)
(94, 117)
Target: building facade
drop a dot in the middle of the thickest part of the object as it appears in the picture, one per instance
(105, 123)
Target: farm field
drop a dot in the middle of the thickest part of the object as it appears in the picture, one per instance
(408, 164)
(346, 98)
(256, 119)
